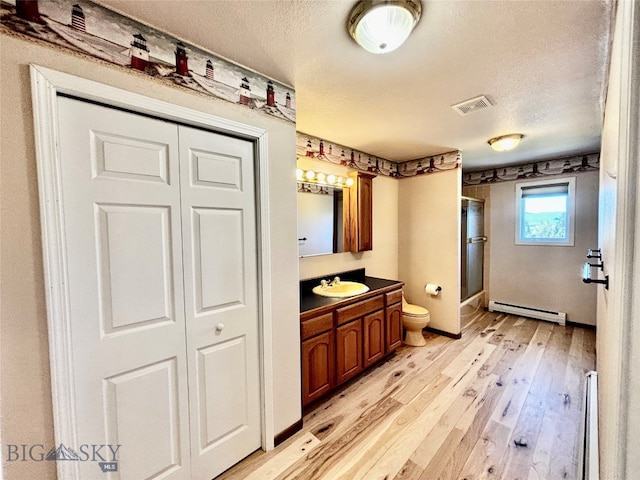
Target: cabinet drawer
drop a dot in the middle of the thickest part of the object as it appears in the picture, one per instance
(393, 297)
(316, 325)
(343, 315)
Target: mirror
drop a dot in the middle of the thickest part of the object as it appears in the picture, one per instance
(320, 219)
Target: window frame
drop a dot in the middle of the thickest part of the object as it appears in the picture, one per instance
(570, 182)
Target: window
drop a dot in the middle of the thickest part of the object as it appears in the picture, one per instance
(545, 212)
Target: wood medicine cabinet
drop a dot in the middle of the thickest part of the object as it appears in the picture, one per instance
(358, 230)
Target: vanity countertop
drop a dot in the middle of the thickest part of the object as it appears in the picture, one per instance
(309, 301)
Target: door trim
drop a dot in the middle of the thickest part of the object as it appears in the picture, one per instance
(46, 84)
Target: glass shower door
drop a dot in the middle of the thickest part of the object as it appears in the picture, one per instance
(473, 241)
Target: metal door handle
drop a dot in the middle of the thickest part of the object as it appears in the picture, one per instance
(476, 239)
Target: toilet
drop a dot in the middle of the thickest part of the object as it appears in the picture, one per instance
(414, 319)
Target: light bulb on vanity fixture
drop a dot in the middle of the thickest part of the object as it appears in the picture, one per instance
(505, 143)
(310, 176)
(381, 26)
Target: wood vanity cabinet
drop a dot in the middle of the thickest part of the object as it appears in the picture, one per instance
(341, 343)
(359, 228)
(348, 350)
(373, 337)
(318, 357)
(393, 320)
(355, 344)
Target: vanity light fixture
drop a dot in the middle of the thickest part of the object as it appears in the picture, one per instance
(505, 143)
(311, 176)
(381, 26)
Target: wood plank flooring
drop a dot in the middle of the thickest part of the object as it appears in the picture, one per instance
(503, 402)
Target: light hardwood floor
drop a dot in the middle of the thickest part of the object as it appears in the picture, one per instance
(502, 402)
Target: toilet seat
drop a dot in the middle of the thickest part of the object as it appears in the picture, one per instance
(411, 310)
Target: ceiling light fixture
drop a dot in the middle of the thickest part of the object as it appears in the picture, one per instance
(505, 142)
(381, 26)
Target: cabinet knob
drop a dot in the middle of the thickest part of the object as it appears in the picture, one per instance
(219, 327)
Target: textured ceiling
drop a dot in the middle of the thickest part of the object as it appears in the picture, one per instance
(541, 63)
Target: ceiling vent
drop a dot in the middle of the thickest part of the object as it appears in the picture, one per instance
(472, 105)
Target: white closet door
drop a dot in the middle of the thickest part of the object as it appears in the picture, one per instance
(121, 197)
(221, 298)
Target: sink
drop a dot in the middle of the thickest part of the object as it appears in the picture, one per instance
(341, 289)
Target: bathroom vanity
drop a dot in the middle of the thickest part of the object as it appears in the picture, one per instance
(342, 337)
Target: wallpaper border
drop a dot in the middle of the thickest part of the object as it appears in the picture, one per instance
(319, 149)
(558, 166)
(86, 28)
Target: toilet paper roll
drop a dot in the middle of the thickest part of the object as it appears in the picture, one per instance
(432, 289)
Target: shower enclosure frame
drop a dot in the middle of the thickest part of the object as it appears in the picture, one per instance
(473, 240)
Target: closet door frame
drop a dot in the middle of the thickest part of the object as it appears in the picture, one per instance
(46, 85)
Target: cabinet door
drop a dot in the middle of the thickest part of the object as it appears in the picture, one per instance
(348, 350)
(317, 366)
(365, 213)
(360, 231)
(374, 341)
(393, 327)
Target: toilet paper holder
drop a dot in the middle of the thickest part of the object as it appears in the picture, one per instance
(432, 289)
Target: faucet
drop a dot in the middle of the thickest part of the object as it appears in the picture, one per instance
(329, 283)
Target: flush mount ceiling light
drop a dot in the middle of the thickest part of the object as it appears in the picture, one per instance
(381, 26)
(505, 142)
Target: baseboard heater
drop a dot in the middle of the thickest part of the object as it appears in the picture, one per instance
(559, 317)
(589, 463)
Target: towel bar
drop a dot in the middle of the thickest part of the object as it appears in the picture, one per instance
(586, 275)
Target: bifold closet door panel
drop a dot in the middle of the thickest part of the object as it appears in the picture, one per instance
(123, 245)
(221, 298)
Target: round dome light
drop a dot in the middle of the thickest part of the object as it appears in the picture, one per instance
(381, 26)
(505, 142)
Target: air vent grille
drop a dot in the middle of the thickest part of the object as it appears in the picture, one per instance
(472, 105)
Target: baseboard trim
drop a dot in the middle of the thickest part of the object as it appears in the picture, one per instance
(457, 336)
(287, 433)
(583, 325)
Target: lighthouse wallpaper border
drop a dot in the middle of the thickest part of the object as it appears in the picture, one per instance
(87, 28)
(558, 166)
(322, 149)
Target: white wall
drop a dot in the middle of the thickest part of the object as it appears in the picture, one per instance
(382, 261)
(25, 384)
(544, 277)
(429, 243)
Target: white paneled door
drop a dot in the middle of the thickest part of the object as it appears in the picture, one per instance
(220, 277)
(160, 239)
